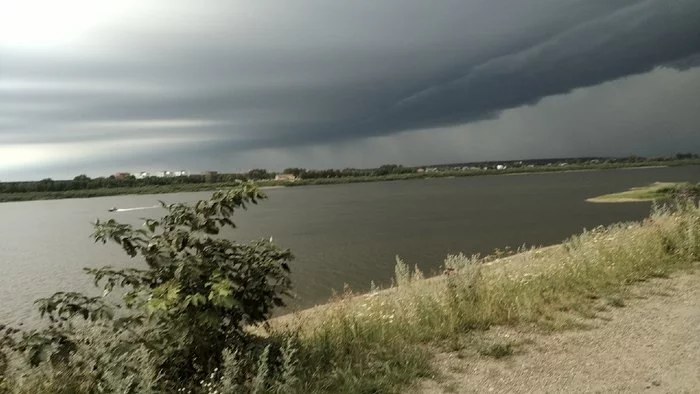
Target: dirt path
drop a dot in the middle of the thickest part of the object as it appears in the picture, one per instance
(652, 344)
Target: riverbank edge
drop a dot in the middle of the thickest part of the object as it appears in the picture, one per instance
(188, 188)
(657, 191)
(297, 317)
(548, 289)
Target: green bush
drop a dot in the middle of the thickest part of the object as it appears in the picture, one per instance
(193, 299)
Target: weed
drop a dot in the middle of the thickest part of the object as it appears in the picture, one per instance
(496, 350)
(616, 301)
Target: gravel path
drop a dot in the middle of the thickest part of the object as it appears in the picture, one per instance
(652, 344)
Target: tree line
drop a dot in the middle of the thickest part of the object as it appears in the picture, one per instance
(84, 182)
(386, 169)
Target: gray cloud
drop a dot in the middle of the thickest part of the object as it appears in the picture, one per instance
(248, 77)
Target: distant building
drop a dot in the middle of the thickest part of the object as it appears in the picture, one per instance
(122, 175)
(285, 177)
(501, 167)
(167, 174)
(142, 175)
(420, 170)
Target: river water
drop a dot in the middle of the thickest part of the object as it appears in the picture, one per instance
(338, 233)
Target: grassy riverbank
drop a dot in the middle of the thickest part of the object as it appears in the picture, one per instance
(386, 341)
(655, 191)
(441, 173)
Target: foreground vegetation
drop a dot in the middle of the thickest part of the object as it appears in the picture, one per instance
(84, 187)
(194, 318)
(655, 191)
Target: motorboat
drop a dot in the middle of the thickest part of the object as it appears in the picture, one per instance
(113, 209)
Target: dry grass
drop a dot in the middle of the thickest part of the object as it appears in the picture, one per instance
(380, 341)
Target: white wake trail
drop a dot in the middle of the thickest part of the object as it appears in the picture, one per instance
(136, 208)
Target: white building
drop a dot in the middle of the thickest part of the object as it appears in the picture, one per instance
(285, 177)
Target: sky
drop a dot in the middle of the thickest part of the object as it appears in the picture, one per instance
(96, 87)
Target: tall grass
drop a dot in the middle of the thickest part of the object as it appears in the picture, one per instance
(383, 341)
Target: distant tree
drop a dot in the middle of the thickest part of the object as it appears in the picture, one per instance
(685, 156)
(97, 183)
(45, 184)
(258, 173)
(80, 182)
(387, 169)
(294, 171)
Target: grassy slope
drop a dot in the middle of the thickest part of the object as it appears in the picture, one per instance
(382, 341)
(9, 197)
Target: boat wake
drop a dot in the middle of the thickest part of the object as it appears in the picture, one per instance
(134, 209)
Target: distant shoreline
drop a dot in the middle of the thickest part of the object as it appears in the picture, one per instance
(654, 192)
(584, 170)
(591, 170)
(640, 168)
(271, 184)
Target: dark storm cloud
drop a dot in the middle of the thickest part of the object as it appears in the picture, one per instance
(263, 75)
(629, 41)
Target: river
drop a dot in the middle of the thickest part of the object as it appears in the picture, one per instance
(338, 233)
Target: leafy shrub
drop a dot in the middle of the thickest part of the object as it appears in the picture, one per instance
(195, 297)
